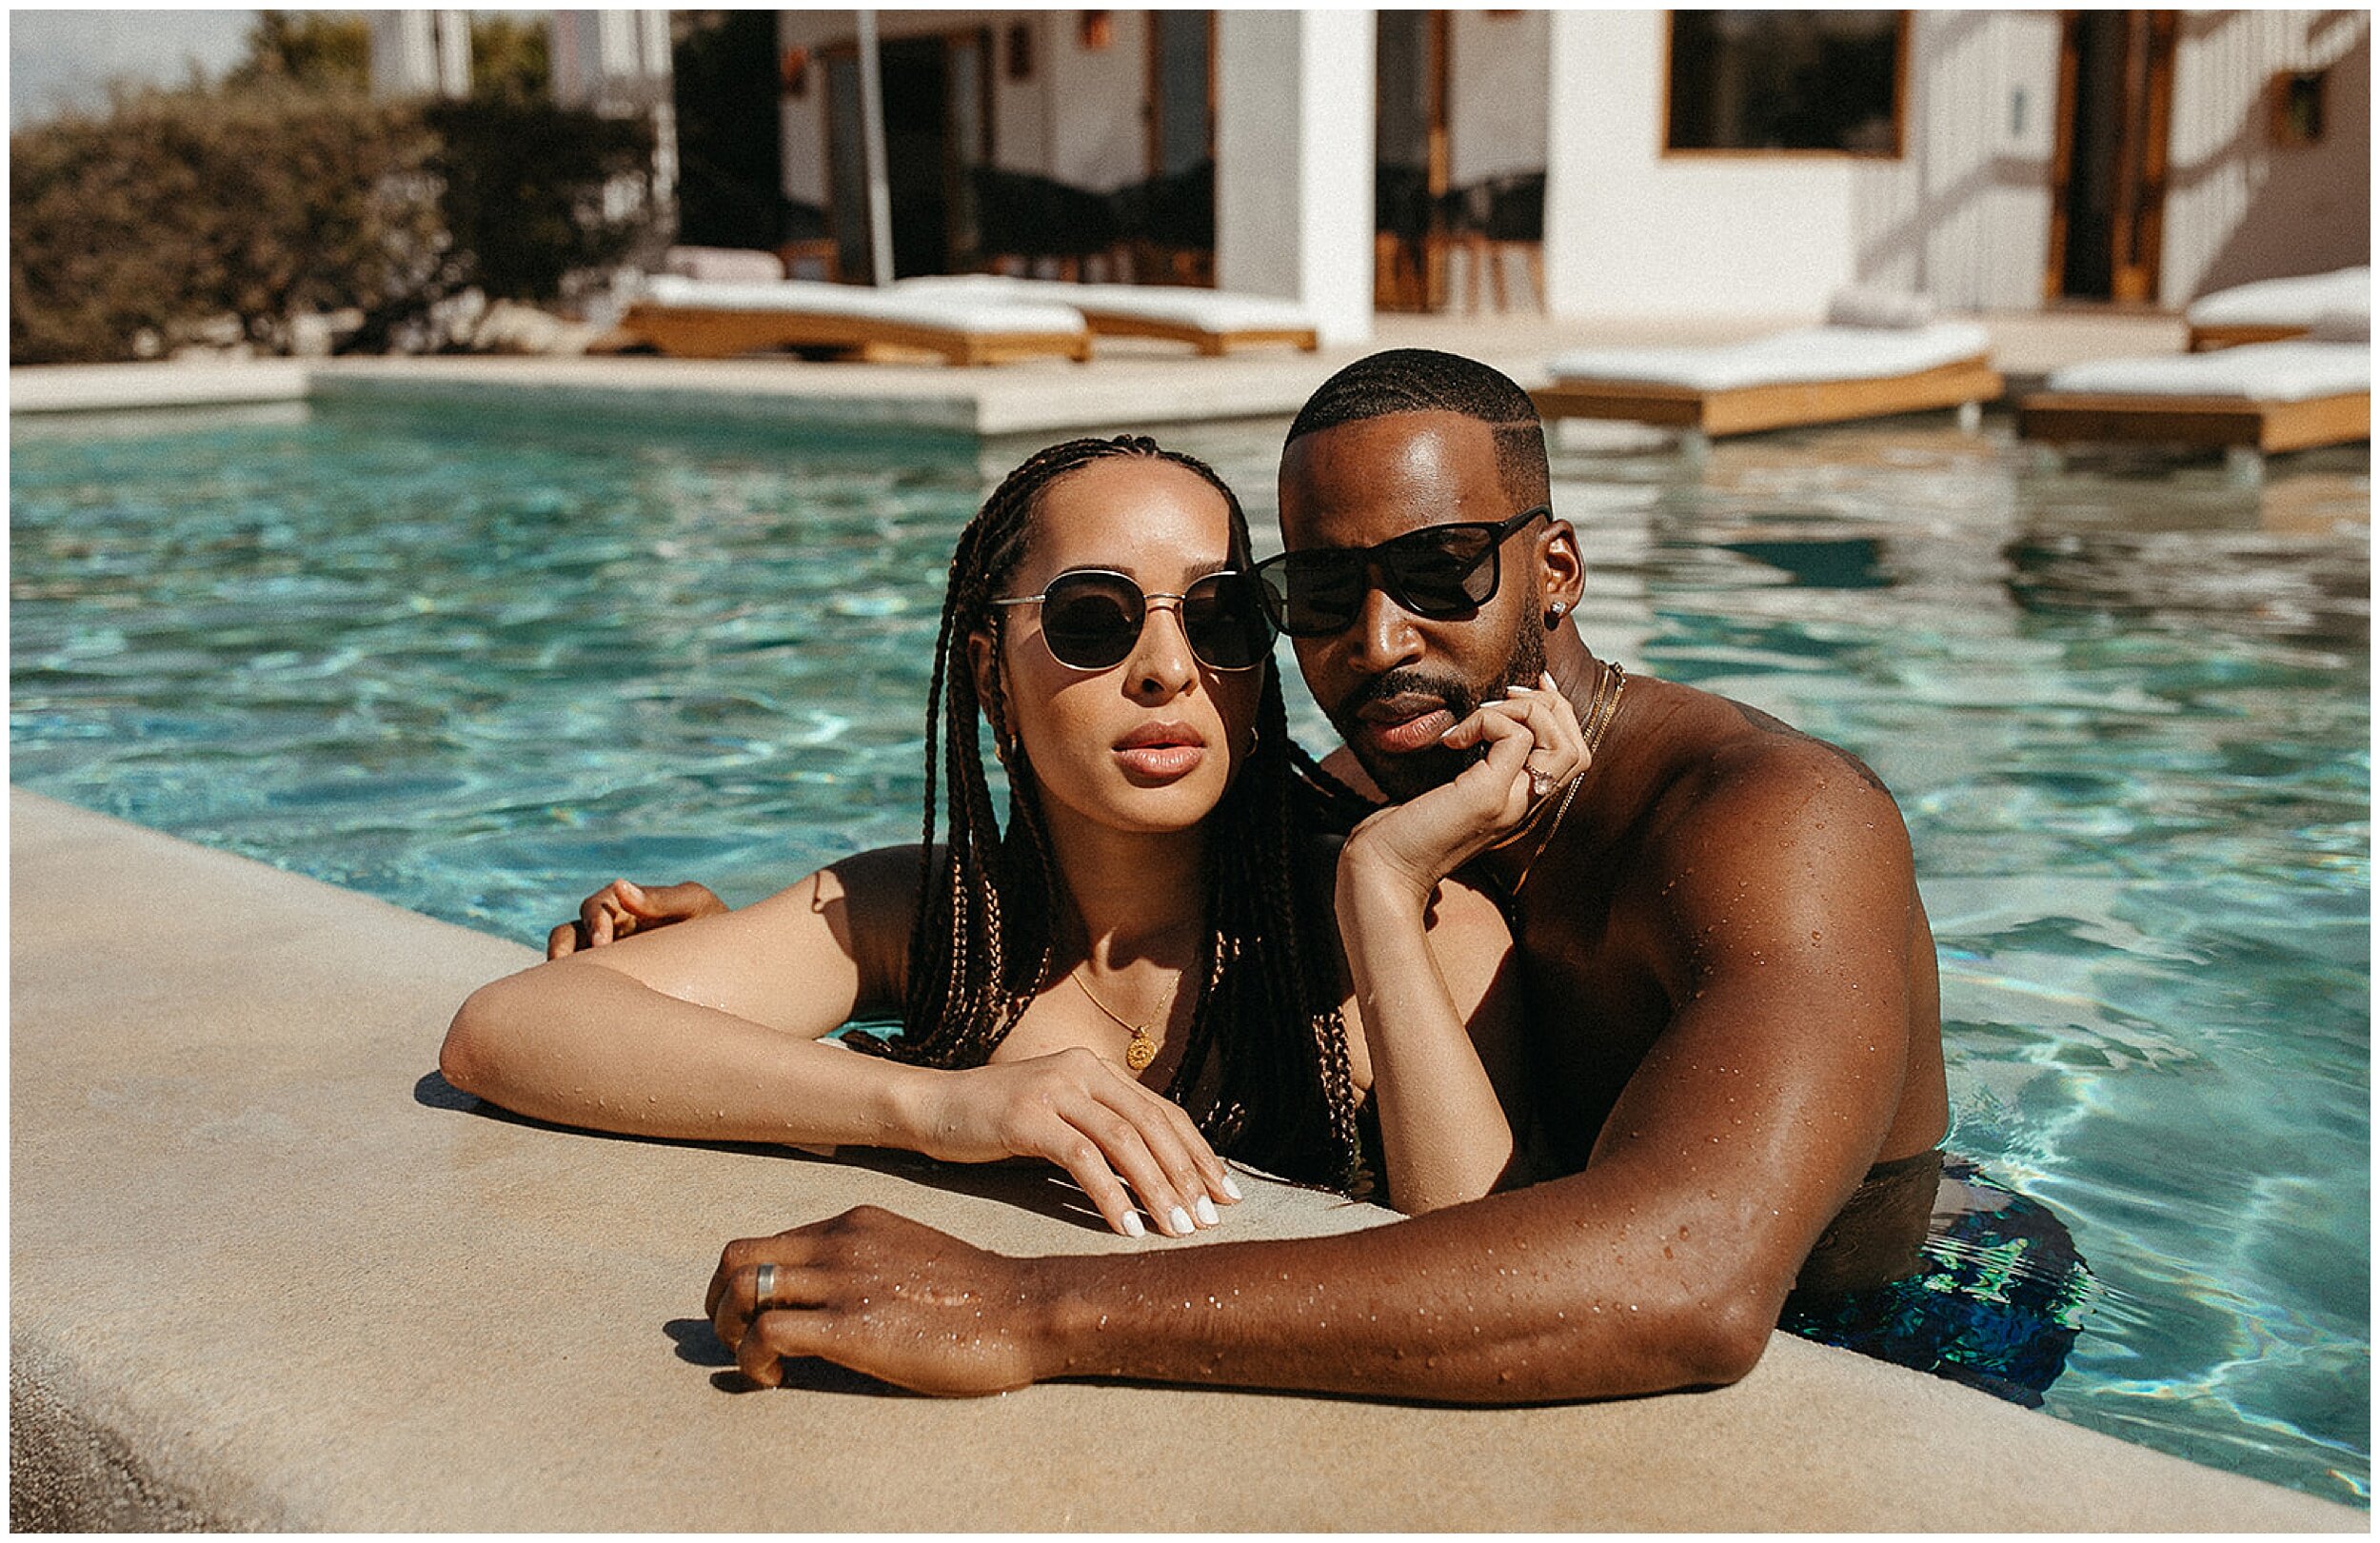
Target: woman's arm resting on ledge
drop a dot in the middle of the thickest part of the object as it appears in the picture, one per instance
(709, 1032)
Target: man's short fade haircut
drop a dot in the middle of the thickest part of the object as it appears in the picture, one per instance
(1426, 380)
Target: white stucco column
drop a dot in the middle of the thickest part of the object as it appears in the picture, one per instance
(1293, 162)
(1579, 120)
(421, 52)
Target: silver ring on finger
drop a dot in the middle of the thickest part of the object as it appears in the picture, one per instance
(764, 1287)
(1540, 784)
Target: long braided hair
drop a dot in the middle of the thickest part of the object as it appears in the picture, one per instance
(1265, 1073)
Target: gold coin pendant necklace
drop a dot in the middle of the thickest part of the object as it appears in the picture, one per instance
(1143, 1047)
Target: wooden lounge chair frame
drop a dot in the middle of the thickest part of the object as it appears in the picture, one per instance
(1114, 324)
(702, 332)
(2233, 334)
(2230, 422)
(1784, 405)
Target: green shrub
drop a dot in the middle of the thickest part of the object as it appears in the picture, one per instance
(180, 208)
(130, 233)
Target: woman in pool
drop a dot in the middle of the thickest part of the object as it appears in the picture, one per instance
(1157, 960)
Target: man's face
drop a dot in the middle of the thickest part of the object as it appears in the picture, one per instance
(1392, 682)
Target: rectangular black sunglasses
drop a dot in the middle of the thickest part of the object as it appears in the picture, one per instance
(1437, 572)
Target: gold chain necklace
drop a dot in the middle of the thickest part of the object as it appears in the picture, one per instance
(1143, 1047)
(1601, 709)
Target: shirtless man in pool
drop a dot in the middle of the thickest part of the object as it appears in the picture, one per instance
(1734, 1018)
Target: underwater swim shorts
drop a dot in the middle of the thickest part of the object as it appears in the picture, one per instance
(1996, 1302)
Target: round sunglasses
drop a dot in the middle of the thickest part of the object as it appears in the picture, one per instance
(1438, 572)
(1091, 618)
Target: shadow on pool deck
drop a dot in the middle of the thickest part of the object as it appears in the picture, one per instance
(265, 1275)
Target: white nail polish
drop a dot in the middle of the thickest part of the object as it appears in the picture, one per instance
(1181, 1219)
(1231, 1188)
(1131, 1224)
(1206, 1209)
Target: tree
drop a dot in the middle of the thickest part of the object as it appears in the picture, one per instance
(509, 60)
(313, 51)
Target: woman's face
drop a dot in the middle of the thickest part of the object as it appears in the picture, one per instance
(1153, 743)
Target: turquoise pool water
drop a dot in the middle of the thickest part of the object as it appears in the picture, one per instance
(477, 666)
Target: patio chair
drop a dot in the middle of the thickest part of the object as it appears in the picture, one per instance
(1038, 223)
(1213, 321)
(2257, 398)
(692, 318)
(1877, 355)
(2272, 310)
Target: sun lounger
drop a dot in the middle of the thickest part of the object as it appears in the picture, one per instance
(2272, 310)
(1214, 321)
(2263, 397)
(697, 320)
(1848, 369)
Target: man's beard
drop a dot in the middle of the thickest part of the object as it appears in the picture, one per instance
(1415, 772)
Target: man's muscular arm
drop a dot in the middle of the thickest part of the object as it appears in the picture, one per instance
(1784, 942)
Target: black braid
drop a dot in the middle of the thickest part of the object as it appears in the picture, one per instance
(1264, 1071)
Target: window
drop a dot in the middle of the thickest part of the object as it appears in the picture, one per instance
(1786, 80)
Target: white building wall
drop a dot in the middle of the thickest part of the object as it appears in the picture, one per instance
(1095, 98)
(1022, 120)
(1964, 215)
(2238, 206)
(1632, 232)
(1496, 93)
(1293, 162)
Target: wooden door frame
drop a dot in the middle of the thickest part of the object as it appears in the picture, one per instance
(2144, 137)
(1153, 103)
(987, 42)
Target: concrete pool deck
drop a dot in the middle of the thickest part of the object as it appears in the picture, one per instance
(268, 1271)
(1129, 383)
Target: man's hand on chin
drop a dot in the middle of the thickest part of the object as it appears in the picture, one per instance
(881, 1295)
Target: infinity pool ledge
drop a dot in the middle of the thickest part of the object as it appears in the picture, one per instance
(268, 1272)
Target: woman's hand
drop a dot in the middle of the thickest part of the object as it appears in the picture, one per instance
(620, 909)
(1534, 747)
(1087, 1117)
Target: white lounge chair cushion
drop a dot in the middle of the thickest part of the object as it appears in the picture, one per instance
(956, 312)
(1812, 353)
(2341, 327)
(2285, 301)
(1209, 310)
(2293, 370)
(732, 265)
(1879, 307)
